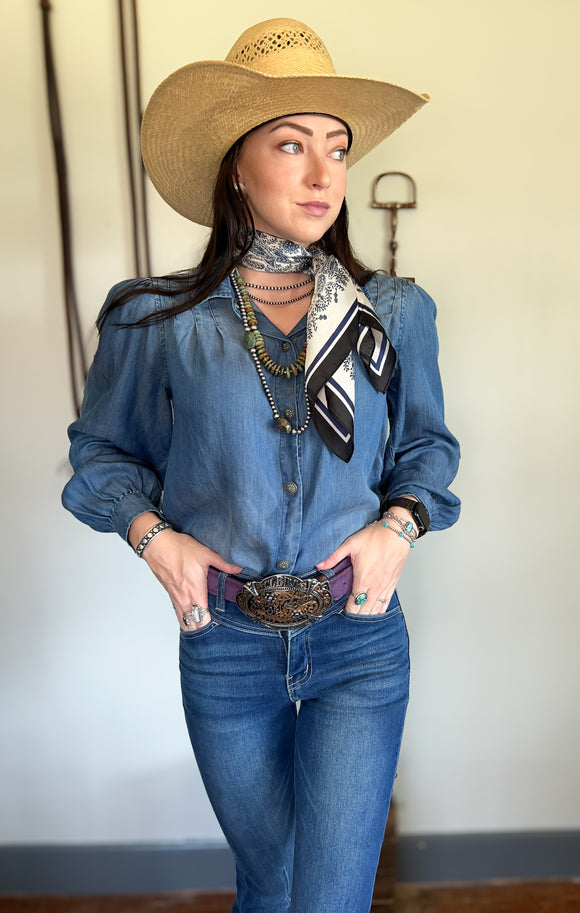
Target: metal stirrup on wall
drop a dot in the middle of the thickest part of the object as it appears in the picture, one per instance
(394, 210)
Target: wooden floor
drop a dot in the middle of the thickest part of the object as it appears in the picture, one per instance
(527, 897)
(547, 897)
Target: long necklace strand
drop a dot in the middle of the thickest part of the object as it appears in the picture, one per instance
(251, 333)
(253, 339)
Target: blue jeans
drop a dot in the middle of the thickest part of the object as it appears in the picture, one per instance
(301, 792)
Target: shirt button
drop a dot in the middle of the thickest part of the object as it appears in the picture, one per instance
(283, 565)
(288, 413)
(285, 345)
(290, 488)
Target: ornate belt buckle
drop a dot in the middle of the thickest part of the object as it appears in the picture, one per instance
(283, 601)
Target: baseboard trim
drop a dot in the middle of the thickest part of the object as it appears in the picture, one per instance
(484, 857)
(116, 869)
(153, 869)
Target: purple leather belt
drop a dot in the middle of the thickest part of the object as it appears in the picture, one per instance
(282, 601)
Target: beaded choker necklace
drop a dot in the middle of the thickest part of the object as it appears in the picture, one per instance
(254, 343)
(279, 304)
(279, 288)
(282, 288)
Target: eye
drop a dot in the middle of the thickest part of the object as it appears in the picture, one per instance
(339, 154)
(292, 146)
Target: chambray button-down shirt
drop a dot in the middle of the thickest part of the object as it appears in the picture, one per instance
(174, 418)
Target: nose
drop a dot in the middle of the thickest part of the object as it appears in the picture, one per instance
(318, 173)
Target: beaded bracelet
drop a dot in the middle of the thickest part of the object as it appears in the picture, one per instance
(407, 525)
(158, 528)
(401, 534)
(405, 529)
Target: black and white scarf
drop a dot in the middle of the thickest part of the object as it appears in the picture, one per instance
(340, 318)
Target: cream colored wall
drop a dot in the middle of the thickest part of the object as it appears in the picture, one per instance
(94, 747)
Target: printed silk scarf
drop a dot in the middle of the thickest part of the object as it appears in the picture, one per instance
(340, 318)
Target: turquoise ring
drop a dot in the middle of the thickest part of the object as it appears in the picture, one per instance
(360, 598)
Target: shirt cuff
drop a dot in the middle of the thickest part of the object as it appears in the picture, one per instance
(128, 507)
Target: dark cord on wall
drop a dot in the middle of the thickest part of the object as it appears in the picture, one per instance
(75, 346)
(129, 49)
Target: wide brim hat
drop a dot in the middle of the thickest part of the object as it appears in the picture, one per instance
(275, 68)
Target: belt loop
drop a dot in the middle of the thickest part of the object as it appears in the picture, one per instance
(221, 591)
(337, 569)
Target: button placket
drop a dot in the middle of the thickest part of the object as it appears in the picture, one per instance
(289, 393)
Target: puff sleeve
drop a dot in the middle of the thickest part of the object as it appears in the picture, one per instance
(422, 455)
(121, 442)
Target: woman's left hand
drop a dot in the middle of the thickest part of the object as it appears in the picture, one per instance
(378, 557)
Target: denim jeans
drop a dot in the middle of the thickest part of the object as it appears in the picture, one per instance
(297, 735)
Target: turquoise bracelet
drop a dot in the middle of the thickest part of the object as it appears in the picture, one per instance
(404, 528)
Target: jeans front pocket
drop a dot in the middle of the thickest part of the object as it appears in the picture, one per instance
(198, 633)
(393, 609)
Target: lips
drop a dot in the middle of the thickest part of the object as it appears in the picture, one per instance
(315, 207)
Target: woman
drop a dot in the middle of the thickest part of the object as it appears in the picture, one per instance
(270, 439)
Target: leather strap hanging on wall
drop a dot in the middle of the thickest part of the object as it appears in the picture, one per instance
(76, 349)
(129, 48)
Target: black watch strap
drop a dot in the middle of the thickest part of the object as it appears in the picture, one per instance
(419, 511)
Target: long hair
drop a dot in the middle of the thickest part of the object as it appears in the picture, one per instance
(231, 237)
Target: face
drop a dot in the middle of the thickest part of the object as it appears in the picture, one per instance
(293, 173)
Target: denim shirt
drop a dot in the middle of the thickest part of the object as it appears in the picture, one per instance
(174, 418)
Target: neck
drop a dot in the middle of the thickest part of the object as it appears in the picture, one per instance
(276, 255)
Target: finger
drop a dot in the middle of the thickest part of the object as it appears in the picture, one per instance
(193, 618)
(218, 562)
(382, 603)
(341, 552)
(191, 607)
(360, 600)
(377, 597)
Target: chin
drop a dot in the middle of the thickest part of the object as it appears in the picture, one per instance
(312, 237)
(301, 242)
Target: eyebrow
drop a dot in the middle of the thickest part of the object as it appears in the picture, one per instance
(286, 123)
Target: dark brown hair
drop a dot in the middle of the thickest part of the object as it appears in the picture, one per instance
(231, 237)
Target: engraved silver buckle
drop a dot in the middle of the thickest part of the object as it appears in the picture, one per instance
(284, 602)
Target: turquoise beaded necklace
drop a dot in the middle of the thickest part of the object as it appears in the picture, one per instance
(254, 343)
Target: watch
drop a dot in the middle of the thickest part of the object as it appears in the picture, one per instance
(419, 511)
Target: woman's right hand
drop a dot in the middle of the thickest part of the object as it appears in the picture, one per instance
(181, 565)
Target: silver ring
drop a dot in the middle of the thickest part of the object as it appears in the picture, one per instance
(360, 598)
(195, 614)
(382, 600)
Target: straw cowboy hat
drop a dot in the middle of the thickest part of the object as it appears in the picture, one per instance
(275, 68)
